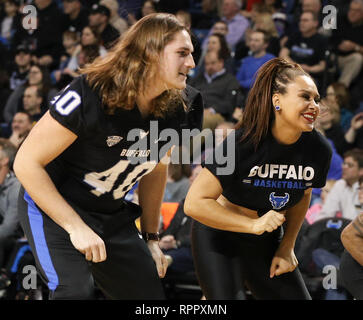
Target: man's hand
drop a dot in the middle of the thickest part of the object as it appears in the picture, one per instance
(86, 241)
(158, 256)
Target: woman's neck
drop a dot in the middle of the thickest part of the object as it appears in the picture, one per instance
(285, 134)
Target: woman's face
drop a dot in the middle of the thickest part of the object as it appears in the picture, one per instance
(176, 61)
(88, 37)
(35, 76)
(147, 8)
(330, 94)
(299, 105)
(213, 43)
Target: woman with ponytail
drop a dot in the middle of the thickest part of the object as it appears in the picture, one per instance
(277, 158)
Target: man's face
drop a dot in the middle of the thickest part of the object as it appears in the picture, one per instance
(212, 64)
(307, 22)
(257, 43)
(229, 8)
(21, 123)
(96, 19)
(22, 59)
(31, 100)
(350, 170)
(355, 13)
(70, 6)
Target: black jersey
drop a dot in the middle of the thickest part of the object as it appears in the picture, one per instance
(274, 176)
(112, 152)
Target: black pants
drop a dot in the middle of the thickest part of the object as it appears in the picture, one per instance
(227, 262)
(129, 271)
(351, 273)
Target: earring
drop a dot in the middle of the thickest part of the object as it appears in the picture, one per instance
(277, 108)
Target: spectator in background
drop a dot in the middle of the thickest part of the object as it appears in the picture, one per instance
(348, 42)
(258, 44)
(354, 135)
(307, 47)
(75, 15)
(264, 22)
(328, 123)
(21, 125)
(185, 19)
(22, 67)
(217, 42)
(116, 21)
(32, 102)
(9, 192)
(237, 23)
(219, 27)
(87, 55)
(177, 184)
(38, 76)
(218, 87)
(99, 18)
(314, 210)
(48, 34)
(342, 199)
(148, 7)
(68, 61)
(351, 265)
(10, 21)
(4, 94)
(90, 36)
(278, 16)
(338, 94)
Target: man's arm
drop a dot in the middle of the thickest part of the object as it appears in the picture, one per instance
(352, 238)
(151, 192)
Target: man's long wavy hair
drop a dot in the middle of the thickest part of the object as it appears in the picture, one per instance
(133, 63)
(273, 77)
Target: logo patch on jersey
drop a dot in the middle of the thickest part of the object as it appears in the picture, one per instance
(112, 140)
(278, 201)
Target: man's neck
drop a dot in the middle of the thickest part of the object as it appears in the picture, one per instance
(350, 183)
(23, 69)
(231, 16)
(259, 54)
(309, 34)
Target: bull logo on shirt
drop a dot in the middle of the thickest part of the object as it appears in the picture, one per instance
(278, 201)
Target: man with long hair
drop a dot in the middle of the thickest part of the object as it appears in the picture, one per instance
(81, 159)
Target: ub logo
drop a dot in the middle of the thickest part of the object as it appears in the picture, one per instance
(279, 201)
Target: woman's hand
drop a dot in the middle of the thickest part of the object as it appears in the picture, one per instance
(268, 222)
(158, 256)
(283, 261)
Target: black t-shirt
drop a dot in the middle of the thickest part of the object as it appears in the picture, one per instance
(104, 162)
(308, 51)
(274, 176)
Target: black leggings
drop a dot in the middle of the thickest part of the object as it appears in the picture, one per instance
(227, 262)
(352, 274)
(129, 272)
